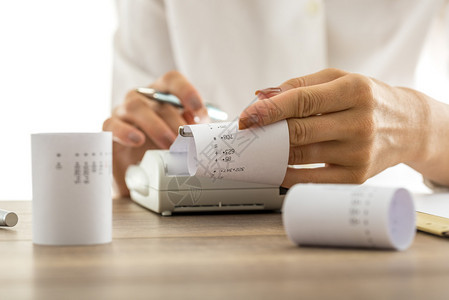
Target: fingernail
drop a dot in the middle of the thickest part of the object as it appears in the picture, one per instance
(134, 137)
(201, 119)
(195, 103)
(268, 92)
(249, 121)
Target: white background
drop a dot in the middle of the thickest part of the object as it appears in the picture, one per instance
(55, 76)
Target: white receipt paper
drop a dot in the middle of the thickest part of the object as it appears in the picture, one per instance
(349, 216)
(72, 175)
(222, 151)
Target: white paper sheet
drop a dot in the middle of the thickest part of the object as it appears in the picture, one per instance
(221, 151)
(350, 216)
(72, 176)
(435, 204)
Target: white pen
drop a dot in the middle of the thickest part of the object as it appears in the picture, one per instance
(214, 112)
(8, 218)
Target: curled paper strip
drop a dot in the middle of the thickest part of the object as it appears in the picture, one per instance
(222, 151)
(349, 216)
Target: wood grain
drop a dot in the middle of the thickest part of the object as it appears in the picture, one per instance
(212, 256)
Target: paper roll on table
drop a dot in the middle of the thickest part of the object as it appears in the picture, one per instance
(72, 174)
(8, 218)
(349, 216)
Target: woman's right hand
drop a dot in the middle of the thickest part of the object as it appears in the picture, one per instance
(139, 123)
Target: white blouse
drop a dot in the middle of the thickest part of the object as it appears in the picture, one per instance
(230, 48)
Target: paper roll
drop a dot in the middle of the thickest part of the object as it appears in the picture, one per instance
(349, 216)
(72, 175)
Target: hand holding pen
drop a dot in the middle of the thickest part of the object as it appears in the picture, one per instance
(138, 119)
(214, 113)
(145, 120)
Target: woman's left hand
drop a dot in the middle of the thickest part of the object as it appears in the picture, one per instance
(354, 124)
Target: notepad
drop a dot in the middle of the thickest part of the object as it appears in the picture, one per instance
(435, 204)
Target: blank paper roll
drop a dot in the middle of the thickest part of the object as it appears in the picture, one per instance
(72, 174)
(349, 216)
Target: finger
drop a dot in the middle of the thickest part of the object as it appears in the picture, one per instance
(325, 152)
(320, 77)
(155, 128)
(334, 96)
(137, 111)
(328, 127)
(193, 118)
(124, 133)
(268, 93)
(327, 174)
(170, 115)
(332, 152)
(177, 84)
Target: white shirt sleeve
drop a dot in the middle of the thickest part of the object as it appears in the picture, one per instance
(137, 62)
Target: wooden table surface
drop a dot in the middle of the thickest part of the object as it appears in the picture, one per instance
(212, 256)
